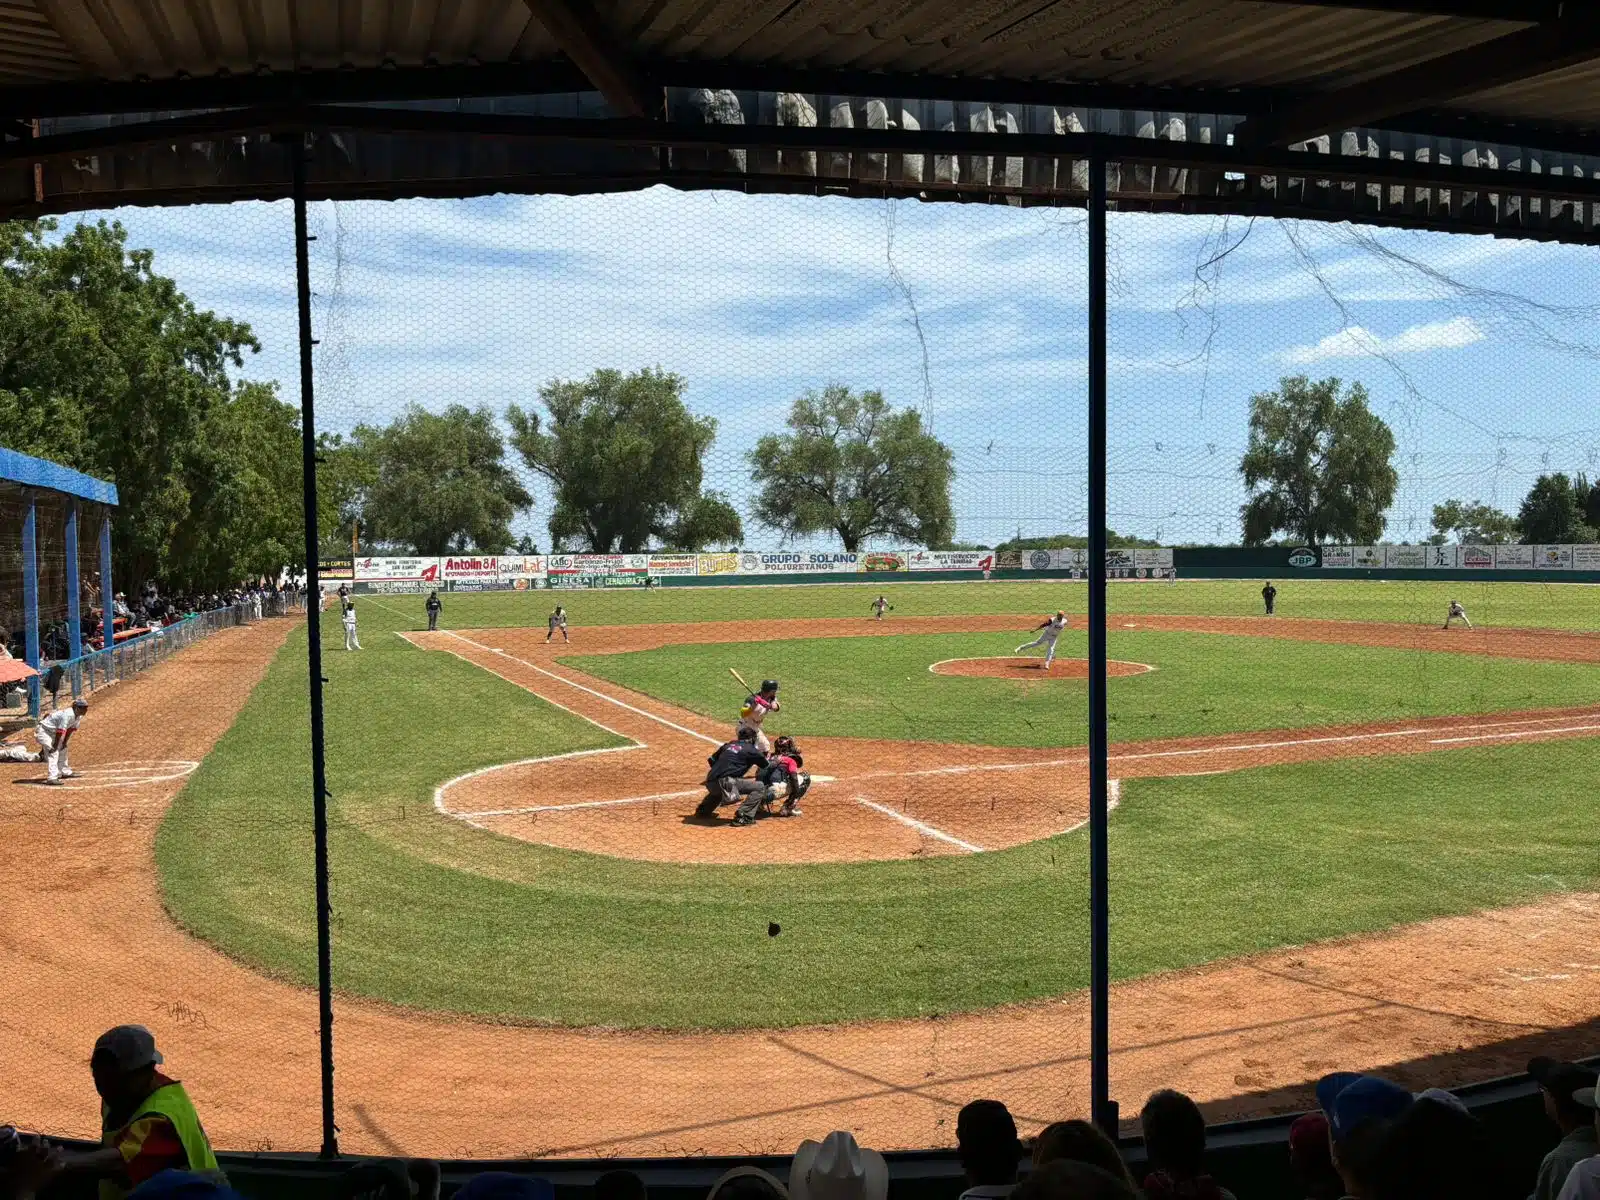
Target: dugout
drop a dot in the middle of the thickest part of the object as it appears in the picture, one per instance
(1471, 116)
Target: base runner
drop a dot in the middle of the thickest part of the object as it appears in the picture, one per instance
(52, 733)
(1049, 630)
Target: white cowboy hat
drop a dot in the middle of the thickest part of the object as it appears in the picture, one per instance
(837, 1169)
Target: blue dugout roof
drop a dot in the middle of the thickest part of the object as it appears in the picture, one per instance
(40, 473)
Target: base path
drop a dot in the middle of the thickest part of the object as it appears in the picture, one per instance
(85, 944)
(1032, 670)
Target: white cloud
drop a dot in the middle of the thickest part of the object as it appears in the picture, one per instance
(1360, 342)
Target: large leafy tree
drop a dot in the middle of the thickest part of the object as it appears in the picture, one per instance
(1552, 512)
(624, 454)
(1473, 523)
(852, 465)
(436, 482)
(1317, 464)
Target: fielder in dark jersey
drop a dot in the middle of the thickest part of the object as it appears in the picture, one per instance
(1269, 597)
(433, 606)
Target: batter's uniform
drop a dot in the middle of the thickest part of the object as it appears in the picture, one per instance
(727, 782)
(52, 733)
(1049, 631)
(558, 620)
(1456, 613)
(351, 641)
(754, 711)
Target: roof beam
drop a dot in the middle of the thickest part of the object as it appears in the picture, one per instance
(1523, 12)
(584, 38)
(1536, 50)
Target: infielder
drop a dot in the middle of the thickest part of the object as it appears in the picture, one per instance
(558, 620)
(1456, 613)
(880, 606)
(351, 641)
(755, 709)
(1049, 630)
(52, 733)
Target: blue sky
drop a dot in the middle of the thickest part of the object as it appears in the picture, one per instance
(756, 299)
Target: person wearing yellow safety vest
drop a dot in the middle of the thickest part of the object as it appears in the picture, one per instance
(147, 1122)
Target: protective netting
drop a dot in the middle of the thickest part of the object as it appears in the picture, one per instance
(649, 451)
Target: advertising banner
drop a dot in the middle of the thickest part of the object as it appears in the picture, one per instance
(672, 564)
(576, 581)
(1119, 560)
(1007, 560)
(522, 566)
(1052, 560)
(336, 568)
(485, 566)
(951, 560)
(796, 562)
(1366, 556)
(716, 564)
(397, 570)
(1337, 557)
(1586, 558)
(1159, 557)
(482, 585)
(1516, 558)
(1552, 558)
(1444, 557)
(1409, 557)
(884, 560)
(1476, 558)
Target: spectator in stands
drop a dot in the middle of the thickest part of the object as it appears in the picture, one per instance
(1175, 1143)
(1080, 1141)
(836, 1168)
(1437, 1150)
(1557, 1082)
(1359, 1109)
(989, 1149)
(119, 607)
(1583, 1181)
(621, 1185)
(147, 1122)
(27, 1164)
(1065, 1179)
(745, 1183)
(1311, 1159)
(506, 1185)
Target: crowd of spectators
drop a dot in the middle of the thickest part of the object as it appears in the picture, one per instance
(1370, 1139)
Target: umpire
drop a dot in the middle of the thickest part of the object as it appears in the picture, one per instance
(726, 781)
(433, 606)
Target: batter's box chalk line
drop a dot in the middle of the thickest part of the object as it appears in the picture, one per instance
(129, 774)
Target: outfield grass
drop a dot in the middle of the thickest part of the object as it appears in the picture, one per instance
(433, 914)
(1525, 605)
(1203, 684)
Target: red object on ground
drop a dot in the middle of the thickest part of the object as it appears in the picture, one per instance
(123, 635)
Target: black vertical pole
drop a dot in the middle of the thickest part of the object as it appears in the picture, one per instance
(1099, 787)
(319, 773)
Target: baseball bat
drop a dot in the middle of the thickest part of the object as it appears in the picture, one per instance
(740, 678)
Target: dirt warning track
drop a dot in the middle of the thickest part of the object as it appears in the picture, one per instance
(85, 943)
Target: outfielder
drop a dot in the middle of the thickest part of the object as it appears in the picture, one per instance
(52, 733)
(1049, 630)
(558, 620)
(351, 641)
(755, 710)
(1456, 613)
(880, 606)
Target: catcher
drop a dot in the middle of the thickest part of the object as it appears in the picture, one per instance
(784, 778)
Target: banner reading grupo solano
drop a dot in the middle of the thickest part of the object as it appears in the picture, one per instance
(951, 560)
(796, 562)
(398, 570)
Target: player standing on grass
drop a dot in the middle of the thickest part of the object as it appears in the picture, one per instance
(52, 733)
(433, 606)
(1456, 613)
(1050, 629)
(558, 620)
(1269, 596)
(351, 641)
(880, 606)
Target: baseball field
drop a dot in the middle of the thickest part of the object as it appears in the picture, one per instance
(1343, 836)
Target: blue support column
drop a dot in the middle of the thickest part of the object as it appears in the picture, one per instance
(30, 600)
(74, 588)
(106, 591)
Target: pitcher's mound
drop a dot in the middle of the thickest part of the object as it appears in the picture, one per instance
(1009, 667)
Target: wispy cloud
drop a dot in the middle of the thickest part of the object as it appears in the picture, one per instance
(1360, 342)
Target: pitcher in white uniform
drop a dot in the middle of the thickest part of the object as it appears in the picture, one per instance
(351, 641)
(1049, 630)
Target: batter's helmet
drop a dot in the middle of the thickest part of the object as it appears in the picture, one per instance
(769, 685)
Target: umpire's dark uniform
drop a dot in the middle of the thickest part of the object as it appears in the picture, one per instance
(1269, 596)
(433, 606)
(725, 781)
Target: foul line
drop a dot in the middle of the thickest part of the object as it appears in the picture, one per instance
(1484, 737)
(920, 827)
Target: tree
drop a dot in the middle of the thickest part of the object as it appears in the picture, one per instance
(1589, 499)
(526, 545)
(1473, 523)
(438, 482)
(1075, 541)
(1317, 465)
(853, 465)
(1552, 512)
(623, 453)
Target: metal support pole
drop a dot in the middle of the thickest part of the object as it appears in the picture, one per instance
(30, 600)
(1104, 1112)
(319, 773)
(108, 624)
(74, 590)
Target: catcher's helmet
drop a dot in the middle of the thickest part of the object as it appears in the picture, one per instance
(769, 685)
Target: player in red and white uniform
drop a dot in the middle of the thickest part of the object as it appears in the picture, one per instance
(52, 733)
(1049, 630)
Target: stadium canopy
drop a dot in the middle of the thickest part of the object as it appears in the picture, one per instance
(1446, 114)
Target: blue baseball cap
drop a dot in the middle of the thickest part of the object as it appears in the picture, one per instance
(1348, 1099)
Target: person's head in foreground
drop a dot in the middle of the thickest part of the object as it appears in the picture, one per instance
(1065, 1179)
(1359, 1109)
(836, 1168)
(1079, 1141)
(124, 1065)
(747, 1183)
(1557, 1082)
(619, 1185)
(1437, 1150)
(1311, 1159)
(1175, 1145)
(506, 1185)
(987, 1144)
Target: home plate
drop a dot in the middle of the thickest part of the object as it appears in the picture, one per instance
(823, 779)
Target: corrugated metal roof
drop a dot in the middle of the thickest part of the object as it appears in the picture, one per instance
(31, 51)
